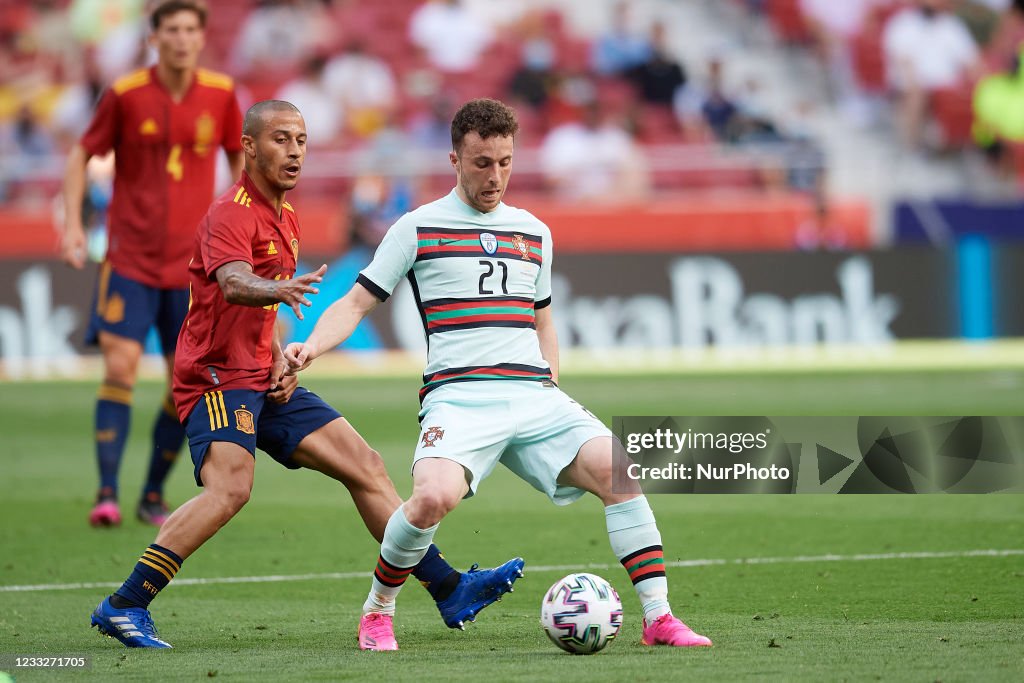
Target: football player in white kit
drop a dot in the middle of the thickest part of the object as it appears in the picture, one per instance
(480, 271)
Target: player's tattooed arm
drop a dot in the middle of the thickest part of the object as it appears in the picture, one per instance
(242, 286)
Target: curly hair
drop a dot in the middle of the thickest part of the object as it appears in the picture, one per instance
(485, 116)
(166, 9)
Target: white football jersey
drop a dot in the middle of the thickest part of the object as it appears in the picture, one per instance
(477, 279)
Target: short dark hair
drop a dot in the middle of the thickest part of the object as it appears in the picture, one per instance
(169, 7)
(253, 122)
(486, 117)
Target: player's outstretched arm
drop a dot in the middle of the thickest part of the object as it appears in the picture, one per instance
(336, 325)
(241, 286)
(72, 244)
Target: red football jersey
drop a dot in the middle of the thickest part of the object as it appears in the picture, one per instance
(165, 156)
(228, 346)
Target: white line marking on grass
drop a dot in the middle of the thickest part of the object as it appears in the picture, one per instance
(798, 559)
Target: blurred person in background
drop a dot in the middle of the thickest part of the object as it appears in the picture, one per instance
(165, 125)
(661, 75)
(619, 49)
(927, 48)
(452, 37)
(308, 91)
(998, 127)
(834, 27)
(534, 80)
(594, 159)
(363, 85)
(296, 29)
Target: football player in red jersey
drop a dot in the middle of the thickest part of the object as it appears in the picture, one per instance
(165, 125)
(233, 395)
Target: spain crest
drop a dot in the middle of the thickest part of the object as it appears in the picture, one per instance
(519, 242)
(243, 421)
(206, 129)
(432, 436)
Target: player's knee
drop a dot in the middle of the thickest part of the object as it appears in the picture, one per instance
(120, 375)
(373, 468)
(427, 507)
(235, 496)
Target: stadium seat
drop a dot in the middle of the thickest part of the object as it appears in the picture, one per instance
(788, 21)
(952, 110)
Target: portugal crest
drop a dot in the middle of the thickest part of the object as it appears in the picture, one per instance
(489, 242)
(432, 436)
(243, 421)
(519, 242)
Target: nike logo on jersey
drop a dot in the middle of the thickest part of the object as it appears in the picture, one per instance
(443, 243)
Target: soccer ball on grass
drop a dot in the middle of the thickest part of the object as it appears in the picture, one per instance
(581, 613)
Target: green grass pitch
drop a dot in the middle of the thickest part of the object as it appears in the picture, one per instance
(933, 617)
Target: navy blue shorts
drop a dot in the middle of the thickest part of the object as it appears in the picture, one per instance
(246, 417)
(128, 308)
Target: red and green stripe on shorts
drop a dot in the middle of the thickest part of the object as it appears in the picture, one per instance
(485, 372)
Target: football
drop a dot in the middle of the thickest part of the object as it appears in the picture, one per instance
(581, 613)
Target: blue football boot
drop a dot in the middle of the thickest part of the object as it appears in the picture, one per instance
(133, 626)
(477, 589)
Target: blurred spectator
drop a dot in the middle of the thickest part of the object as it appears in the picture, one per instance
(594, 160)
(377, 201)
(278, 35)
(927, 48)
(452, 37)
(533, 82)
(29, 139)
(618, 49)
(659, 76)
(48, 31)
(835, 26)
(430, 127)
(999, 116)
(124, 49)
(308, 92)
(718, 109)
(820, 232)
(364, 86)
(92, 21)
(74, 109)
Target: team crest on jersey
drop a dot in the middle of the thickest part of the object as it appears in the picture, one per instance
(519, 242)
(243, 421)
(206, 127)
(489, 242)
(149, 127)
(432, 436)
(295, 249)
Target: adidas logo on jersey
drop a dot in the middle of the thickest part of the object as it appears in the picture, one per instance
(242, 197)
(149, 127)
(271, 249)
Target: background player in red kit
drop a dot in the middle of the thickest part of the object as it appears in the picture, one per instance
(233, 396)
(165, 125)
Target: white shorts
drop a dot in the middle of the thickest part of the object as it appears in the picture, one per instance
(532, 428)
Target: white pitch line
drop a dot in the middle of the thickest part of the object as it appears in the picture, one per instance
(798, 559)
